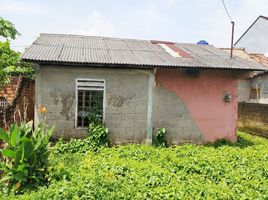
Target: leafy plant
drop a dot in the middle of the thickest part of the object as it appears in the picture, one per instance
(97, 138)
(25, 156)
(72, 146)
(98, 135)
(97, 132)
(7, 29)
(160, 138)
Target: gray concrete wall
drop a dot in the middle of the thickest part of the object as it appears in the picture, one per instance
(256, 38)
(171, 113)
(126, 100)
(244, 90)
(261, 82)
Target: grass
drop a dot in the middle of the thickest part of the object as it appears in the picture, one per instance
(219, 171)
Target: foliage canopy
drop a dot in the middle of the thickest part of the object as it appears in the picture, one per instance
(10, 63)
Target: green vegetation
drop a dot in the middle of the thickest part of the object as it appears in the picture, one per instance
(220, 171)
(97, 138)
(25, 163)
(10, 63)
(159, 139)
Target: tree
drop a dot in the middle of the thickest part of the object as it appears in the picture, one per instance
(7, 29)
(10, 63)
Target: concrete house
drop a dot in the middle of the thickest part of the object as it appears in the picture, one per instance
(139, 86)
(255, 38)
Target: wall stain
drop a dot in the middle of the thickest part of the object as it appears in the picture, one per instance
(118, 101)
(55, 95)
(67, 101)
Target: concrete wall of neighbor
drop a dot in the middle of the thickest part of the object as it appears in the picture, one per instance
(261, 83)
(244, 88)
(126, 100)
(191, 105)
(253, 118)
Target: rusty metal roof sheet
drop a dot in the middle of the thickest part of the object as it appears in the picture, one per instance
(78, 49)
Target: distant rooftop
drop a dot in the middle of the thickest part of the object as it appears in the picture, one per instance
(130, 53)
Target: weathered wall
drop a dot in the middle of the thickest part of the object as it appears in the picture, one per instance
(20, 96)
(253, 118)
(260, 83)
(256, 40)
(170, 112)
(191, 106)
(244, 89)
(126, 100)
(9, 90)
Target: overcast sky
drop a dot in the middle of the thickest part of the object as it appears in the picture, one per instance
(171, 20)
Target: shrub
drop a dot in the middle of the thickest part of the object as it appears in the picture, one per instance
(97, 132)
(98, 135)
(97, 138)
(160, 138)
(72, 146)
(26, 155)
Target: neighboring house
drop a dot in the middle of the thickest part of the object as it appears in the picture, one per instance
(254, 87)
(138, 86)
(16, 101)
(255, 38)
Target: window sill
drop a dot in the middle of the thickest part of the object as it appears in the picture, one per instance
(81, 128)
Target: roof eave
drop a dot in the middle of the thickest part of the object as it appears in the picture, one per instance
(134, 66)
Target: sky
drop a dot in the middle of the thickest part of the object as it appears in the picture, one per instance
(171, 20)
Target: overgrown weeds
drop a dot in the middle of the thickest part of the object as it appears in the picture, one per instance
(144, 172)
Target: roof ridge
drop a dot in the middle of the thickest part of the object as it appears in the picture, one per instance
(92, 36)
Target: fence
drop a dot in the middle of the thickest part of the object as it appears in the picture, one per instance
(253, 118)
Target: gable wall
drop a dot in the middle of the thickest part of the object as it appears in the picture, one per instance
(255, 39)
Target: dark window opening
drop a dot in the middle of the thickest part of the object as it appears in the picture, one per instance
(89, 103)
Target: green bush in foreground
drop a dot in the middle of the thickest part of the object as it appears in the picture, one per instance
(25, 157)
(221, 171)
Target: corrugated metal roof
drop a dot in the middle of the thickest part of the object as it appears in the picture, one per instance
(259, 58)
(61, 48)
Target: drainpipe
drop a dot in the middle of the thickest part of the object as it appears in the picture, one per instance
(151, 81)
(149, 134)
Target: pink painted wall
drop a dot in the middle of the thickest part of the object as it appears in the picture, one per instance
(203, 95)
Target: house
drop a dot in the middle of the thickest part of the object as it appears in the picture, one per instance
(255, 38)
(254, 87)
(137, 86)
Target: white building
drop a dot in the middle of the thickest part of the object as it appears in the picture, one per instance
(255, 38)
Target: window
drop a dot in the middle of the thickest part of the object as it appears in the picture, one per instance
(89, 100)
